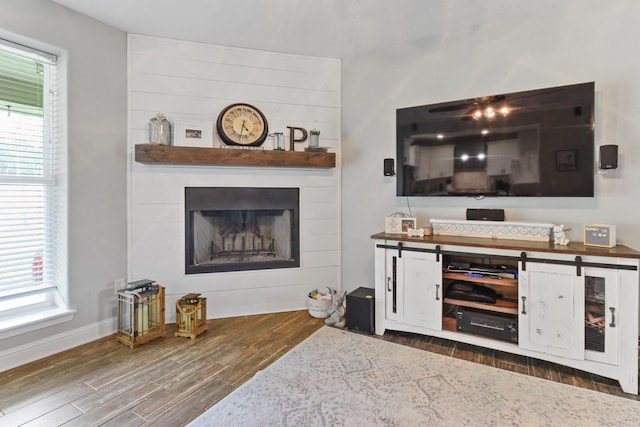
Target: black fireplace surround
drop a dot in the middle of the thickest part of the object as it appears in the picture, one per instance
(241, 228)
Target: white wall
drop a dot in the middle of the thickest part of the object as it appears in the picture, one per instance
(196, 81)
(94, 56)
(576, 41)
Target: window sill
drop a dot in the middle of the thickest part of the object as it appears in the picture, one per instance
(33, 321)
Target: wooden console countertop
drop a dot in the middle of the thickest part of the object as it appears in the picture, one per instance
(574, 248)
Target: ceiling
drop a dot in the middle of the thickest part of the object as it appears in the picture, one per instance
(326, 28)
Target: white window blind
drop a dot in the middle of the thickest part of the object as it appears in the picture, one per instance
(27, 212)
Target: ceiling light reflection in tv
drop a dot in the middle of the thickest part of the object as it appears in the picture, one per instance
(535, 143)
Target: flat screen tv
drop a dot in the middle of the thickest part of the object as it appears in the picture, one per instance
(536, 143)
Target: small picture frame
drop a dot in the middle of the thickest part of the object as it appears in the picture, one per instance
(399, 225)
(408, 223)
(566, 160)
(191, 133)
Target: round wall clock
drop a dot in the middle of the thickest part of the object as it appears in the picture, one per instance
(242, 124)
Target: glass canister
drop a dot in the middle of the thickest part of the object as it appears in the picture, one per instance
(159, 130)
(278, 141)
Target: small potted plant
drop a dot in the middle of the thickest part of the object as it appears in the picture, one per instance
(314, 137)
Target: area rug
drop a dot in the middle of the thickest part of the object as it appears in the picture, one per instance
(339, 378)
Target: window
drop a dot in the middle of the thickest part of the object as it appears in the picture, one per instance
(32, 264)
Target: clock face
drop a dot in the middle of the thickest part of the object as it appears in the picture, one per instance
(242, 124)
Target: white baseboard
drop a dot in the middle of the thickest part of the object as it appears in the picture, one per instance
(23, 354)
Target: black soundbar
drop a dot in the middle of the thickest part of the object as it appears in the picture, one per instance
(485, 214)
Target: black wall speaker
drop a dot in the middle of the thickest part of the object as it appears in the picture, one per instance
(389, 167)
(608, 156)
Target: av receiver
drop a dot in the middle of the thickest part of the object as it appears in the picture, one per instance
(494, 325)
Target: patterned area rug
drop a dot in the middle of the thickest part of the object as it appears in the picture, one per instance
(338, 378)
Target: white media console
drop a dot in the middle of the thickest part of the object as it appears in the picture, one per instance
(572, 305)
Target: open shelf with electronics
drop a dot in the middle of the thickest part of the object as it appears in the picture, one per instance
(172, 155)
(478, 284)
(573, 305)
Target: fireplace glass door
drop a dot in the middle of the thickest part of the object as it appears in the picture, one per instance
(239, 229)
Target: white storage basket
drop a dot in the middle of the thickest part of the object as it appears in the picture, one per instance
(319, 307)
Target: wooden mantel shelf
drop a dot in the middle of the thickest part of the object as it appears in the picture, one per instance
(154, 154)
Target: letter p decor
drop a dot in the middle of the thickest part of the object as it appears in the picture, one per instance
(292, 136)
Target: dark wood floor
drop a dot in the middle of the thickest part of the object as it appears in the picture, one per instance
(511, 362)
(170, 381)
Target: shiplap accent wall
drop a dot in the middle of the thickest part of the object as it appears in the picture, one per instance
(195, 82)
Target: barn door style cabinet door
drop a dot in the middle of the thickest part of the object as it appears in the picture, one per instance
(413, 290)
(572, 305)
(551, 310)
(570, 313)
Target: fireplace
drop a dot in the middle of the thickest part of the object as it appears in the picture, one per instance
(241, 228)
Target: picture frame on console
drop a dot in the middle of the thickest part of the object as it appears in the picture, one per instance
(399, 225)
(408, 223)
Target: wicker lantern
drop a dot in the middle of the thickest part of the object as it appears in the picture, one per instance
(140, 313)
(191, 316)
